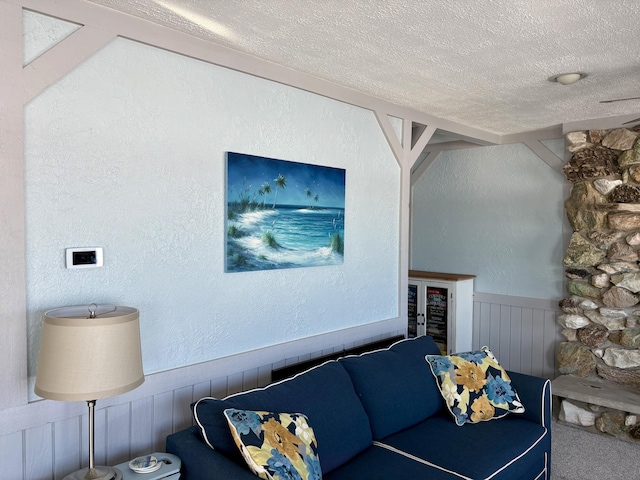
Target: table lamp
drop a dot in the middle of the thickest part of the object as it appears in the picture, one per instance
(87, 353)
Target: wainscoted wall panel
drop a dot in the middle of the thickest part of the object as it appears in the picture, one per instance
(521, 332)
(142, 439)
(66, 444)
(55, 441)
(38, 439)
(11, 446)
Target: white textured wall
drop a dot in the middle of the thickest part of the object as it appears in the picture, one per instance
(127, 153)
(495, 212)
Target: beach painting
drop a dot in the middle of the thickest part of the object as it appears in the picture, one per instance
(282, 214)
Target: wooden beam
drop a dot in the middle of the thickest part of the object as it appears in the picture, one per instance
(453, 145)
(390, 135)
(420, 144)
(56, 62)
(13, 342)
(555, 131)
(423, 166)
(547, 156)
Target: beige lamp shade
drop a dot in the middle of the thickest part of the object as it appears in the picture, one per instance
(84, 358)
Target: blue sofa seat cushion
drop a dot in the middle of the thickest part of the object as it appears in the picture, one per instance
(324, 394)
(505, 449)
(395, 385)
(378, 463)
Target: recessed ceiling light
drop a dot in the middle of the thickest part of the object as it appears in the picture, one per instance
(568, 78)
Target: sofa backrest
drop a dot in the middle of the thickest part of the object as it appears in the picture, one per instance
(395, 385)
(324, 394)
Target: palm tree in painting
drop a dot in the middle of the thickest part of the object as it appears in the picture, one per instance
(309, 194)
(261, 194)
(266, 188)
(280, 182)
(316, 198)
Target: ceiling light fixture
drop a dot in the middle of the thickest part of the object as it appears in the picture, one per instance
(568, 78)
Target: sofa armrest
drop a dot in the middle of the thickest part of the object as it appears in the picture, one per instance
(535, 394)
(200, 461)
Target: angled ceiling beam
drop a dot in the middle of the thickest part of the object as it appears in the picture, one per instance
(546, 155)
(390, 135)
(420, 144)
(422, 167)
(56, 62)
(453, 145)
(403, 150)
(548, 133)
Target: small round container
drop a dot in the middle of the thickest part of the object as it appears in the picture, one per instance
(145, 464)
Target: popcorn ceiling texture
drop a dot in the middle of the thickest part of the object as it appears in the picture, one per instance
(483, 64)
(127, 153)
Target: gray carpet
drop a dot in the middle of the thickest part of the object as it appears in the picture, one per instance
(581, 455)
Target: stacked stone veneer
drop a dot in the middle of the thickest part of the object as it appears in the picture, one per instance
(601, 317)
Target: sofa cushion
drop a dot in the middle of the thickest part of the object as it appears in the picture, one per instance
(324, 394)
(509, 449)
(474, 386)
(378, 463)
(275, 445)
(395, 385)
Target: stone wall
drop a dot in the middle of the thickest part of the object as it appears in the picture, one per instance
(601, 317)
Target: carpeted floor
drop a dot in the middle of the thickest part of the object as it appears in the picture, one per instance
(581, 455)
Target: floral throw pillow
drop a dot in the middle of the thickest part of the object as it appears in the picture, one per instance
(474, 386)
(276, 446)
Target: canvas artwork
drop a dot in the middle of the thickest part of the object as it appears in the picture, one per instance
(283, 214)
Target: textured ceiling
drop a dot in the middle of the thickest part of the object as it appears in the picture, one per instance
(481, 63)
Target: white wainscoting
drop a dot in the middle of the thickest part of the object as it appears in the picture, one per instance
(522, 332)
(46, 440)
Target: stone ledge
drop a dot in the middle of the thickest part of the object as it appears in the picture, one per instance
(597, 392)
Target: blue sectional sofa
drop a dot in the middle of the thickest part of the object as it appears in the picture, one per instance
(380, 415)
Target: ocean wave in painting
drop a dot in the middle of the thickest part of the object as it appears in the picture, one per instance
(285, 237)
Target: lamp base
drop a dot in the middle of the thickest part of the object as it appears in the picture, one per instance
(96, 473)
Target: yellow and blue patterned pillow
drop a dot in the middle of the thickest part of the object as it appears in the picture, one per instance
(474, 386)
(276, 446)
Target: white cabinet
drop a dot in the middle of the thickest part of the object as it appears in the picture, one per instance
(441, 305)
